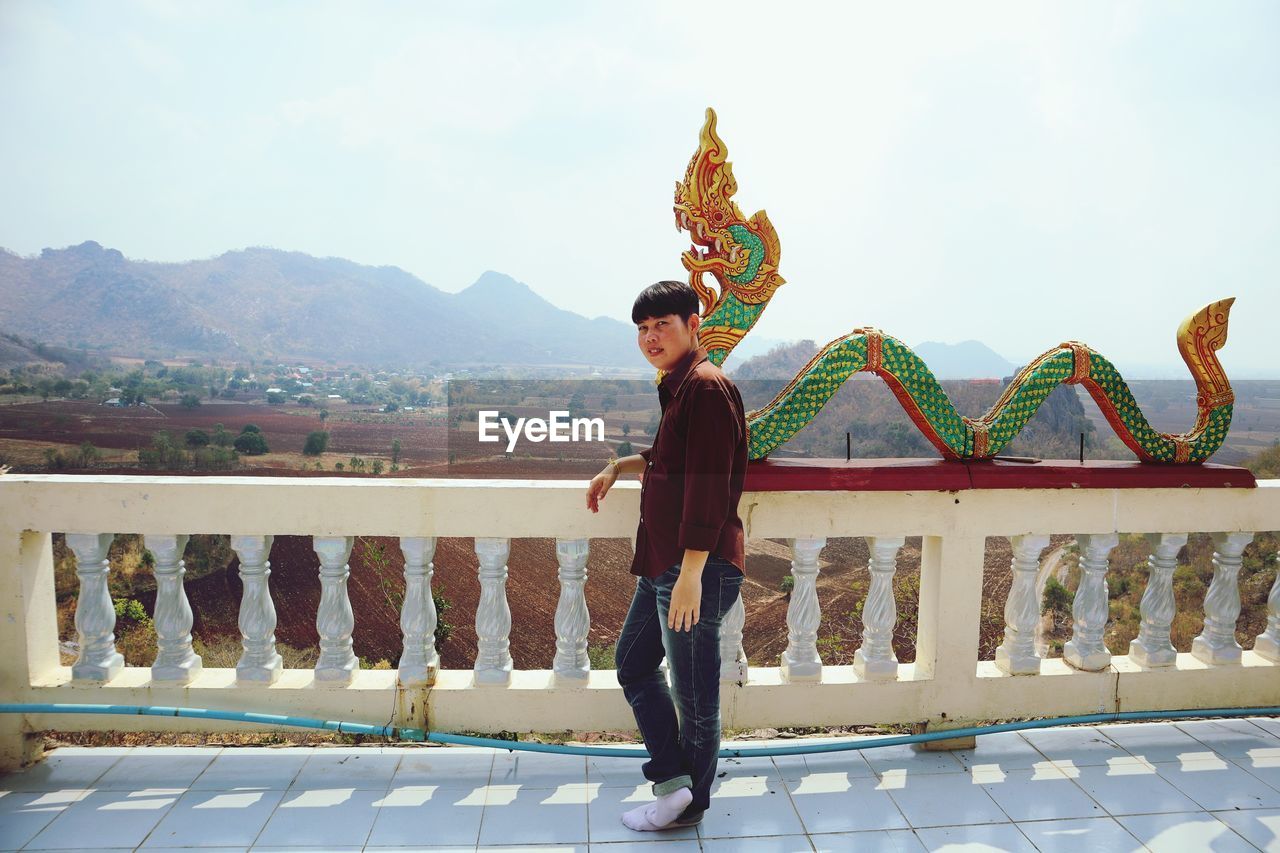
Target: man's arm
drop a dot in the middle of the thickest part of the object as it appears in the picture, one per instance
(602, 482)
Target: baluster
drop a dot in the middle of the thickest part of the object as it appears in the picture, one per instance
(95, 618)
(419, 660)
(1268, 643)
(175, 661)
(1217, 642)
(801, 662)
(875, 659)
(733, 658)
(493, 615)
(573, 621)
(1017, 654)
(1152, 648)
(335, 620)
(259, 663)
(1085, 650)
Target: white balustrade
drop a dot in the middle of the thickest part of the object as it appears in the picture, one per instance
(419, 660)
(1086, 649)
(1268, 642)
(1017, 654)
(1152, 647)
(572, 622)
(175, 659)
(1217, 642)
(733, 658)
(95, 618)
(875, 659)
(946, 685)
(493, 615)
(335, 620)
(259, 663)
(801, 662)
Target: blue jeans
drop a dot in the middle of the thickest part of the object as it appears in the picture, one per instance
(682, 755)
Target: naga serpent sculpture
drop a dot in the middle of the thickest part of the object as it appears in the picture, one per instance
(742, 255)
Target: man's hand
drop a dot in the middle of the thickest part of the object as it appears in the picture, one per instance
(686, 602)
(599, 487)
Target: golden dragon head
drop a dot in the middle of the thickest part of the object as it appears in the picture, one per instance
(742, 254)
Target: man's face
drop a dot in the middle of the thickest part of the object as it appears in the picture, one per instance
(664, 340)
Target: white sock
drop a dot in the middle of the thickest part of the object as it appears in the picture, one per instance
(659, 813)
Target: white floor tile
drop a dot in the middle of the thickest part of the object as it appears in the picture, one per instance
(110, 818)
(604, 816)
(426, 815)
(1097, 835)
(1006, 750)
(1157, 742)
(516, 814)
(759, 766)
(199, 850)
(852, 764)
(1129, 786)
(1270, 725)
(1078, 745)
(657, 845)
(758, 844)
(1230, 738)
(749, 806)
(615, 772)
(235, 769)
(156, 767)
(1219, 784)
(336, 817)
(1265, 770)
(538, 769)
(904, 758)
(1179, 833)
(341, 769)
(25, 813)
(443, 768)
(1044, 793)
(59, 770)
(879, 841)
(215, 818)
(1001, 836)
(833, 802)
(1260, 827)
(944, 800)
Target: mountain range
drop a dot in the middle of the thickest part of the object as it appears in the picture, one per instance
(268, 303)
(271, 304)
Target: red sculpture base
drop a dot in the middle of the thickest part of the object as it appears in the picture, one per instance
(779, 475)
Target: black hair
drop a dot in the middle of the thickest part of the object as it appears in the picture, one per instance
(663, 298)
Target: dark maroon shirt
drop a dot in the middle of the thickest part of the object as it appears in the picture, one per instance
(694, 472)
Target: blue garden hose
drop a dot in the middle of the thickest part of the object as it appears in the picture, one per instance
(397, 733)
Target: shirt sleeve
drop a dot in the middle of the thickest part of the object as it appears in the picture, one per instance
(646, 453)
(709, 450)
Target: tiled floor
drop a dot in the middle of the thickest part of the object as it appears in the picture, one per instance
(1157, 786)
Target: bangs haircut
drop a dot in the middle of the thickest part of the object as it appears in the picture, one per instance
(663, 298)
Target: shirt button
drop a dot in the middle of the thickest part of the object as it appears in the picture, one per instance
(650, 463)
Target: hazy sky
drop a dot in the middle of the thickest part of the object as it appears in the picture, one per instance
(1022, 174)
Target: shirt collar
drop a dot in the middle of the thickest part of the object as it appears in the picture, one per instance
(671, 379)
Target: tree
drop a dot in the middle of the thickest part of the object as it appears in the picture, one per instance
(197, 438)
(626, 429)
(625, 449)
(190, 401)
(377, 467)
(250, 428)
(275, 398)
(221, 437)
(324, 416)
(251, 444)
(395, 451)
(316, 443)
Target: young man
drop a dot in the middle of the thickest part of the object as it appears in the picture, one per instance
(689, 558)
